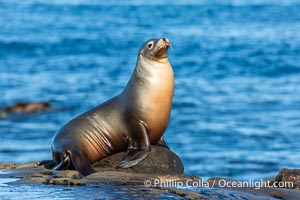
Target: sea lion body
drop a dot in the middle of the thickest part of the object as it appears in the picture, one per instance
(130, 121)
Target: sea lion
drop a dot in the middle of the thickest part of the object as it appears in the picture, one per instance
(130, 121)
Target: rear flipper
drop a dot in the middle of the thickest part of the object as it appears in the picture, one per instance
(64, 164)
(48, 164)
(75, 160)
(138, 149)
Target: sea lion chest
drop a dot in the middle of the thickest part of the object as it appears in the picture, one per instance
(148, 97)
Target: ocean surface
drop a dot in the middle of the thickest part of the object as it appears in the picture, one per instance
(236, 107)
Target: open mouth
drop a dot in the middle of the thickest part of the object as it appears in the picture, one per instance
(162, 50)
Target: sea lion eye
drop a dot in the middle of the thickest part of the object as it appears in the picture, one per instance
(150, 45)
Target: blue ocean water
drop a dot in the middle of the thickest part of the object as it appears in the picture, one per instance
(236, 108)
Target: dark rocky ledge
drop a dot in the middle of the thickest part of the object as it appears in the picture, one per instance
(160, 174)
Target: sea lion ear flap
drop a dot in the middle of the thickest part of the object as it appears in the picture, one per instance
(137, 150)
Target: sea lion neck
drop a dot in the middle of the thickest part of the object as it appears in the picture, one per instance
(147, 68)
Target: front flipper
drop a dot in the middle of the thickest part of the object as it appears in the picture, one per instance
(138, 147)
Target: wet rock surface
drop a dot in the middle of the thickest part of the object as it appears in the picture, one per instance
(288, 176)
(158, 176)
(160, 161)
(255, 190)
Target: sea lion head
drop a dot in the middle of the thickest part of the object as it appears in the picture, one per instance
(155, 49)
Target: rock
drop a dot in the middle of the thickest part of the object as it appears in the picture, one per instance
(161, 160)
(26, 107)
(160, 175)
(30, 173)
(139, 185)
(288, 178)
(17, 166)
(253, 189)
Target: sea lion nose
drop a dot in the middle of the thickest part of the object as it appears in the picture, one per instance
(165, 40)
